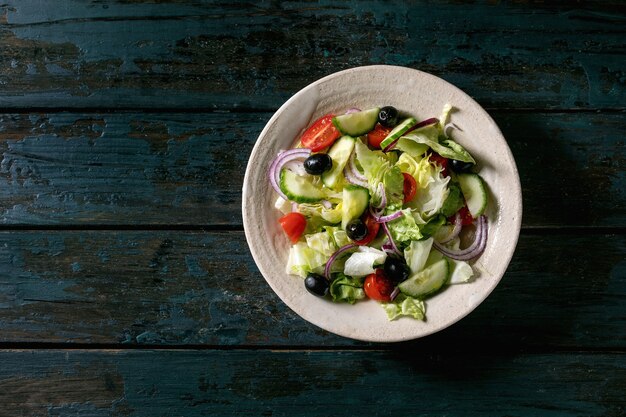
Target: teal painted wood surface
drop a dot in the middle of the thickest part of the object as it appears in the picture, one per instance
(325, 383)
(180, 288)
(187, 169)
(221, 55)
(125, 128)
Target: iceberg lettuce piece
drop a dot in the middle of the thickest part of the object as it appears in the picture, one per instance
(321, 242)
(461, 272)
(421, 169)
(363, 262)
(404, 228)
(417, 254)
(454, 201)
(303, 259)
(405, 306)
(347, 289)
(284, 206)
(429, 200)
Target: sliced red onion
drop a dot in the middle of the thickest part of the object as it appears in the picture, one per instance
(449, 126)
(327, 204)
(294, 206)
(384, 219)
(391, 242)
(383, 196)
(296, 167)
(334, 256)
(280, 161)
(475, 249)
(355, 171)
(347, 172)
(423, 123)
(391, 145)
(458, 225)
(394, 293)
(353, 110)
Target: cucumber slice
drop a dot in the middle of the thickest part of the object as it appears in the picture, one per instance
(475, 193)
(357, 123)
(339, 153)
(355, 201)
(298, 188)
(427, 281)
(398, 131)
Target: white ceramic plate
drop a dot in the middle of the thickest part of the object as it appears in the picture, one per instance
(421, 95)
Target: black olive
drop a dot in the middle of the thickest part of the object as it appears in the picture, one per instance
(388, 116)
(396, 269)
(356, 229)
(460, 166)
(316, 284)
(317, 164)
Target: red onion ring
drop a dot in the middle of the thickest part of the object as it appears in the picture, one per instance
(391, 242)
(352, 179)
(353, 110)
(384, 219)
(354, 169)
(472, 251)
(383, 196)
(334, 256)
(423, 123)
(294, 206)
(458, 225)
(394, 293)
(449, 126)
(327, 204)
(277, 165)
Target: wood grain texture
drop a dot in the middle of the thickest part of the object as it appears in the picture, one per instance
(187, 168)
(217, 54)
(288, 383)
(181, 288)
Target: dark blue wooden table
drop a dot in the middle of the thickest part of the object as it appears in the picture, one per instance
(126, 286)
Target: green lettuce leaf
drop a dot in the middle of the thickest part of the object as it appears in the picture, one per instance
(417, 254)
(433, 225)
(403, 305)
(429, 199)
(459, 152)
(421, 169)
(303, 259)
(347, 289)
(393, 180)
(454, 201)
(404, 229)
(322, 242)
(362, 262)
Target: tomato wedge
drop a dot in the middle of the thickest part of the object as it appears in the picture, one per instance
(321, 134)
(410, 187)
(377, 286)
(372, 230)
(293, 224)
(376, 136)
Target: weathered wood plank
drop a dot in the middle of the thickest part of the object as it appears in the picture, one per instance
(220, 55)
(176, 288)
(288, 383)
(181, 169)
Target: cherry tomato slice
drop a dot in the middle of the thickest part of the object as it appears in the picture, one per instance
(293, 224)
(410, 187)
(440, 160)
(377, 286)
(376, 136)
(321, 134)
(372, 230)
(466, 216)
